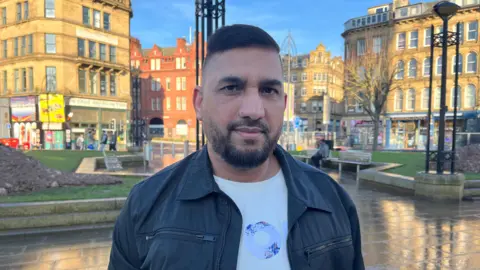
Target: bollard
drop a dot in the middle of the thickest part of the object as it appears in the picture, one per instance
(161, 149)
(173, 149)
(185, 148)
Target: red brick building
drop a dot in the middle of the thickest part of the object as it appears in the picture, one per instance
(167, 80)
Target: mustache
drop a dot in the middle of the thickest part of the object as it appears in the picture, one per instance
(247, 122)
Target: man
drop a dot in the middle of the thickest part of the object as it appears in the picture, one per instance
(80, 142)
(103, 141)
(322, 152)
(113, 141)
(241, 202)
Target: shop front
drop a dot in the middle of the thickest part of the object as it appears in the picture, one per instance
(5, 125)
(24, 126)
(51, 109)
(359, 131)
(90, 117)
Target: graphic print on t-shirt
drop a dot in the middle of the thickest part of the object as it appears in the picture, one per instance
(271, 241)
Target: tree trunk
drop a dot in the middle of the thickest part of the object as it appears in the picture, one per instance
(375, 132)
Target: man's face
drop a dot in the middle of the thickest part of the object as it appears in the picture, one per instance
(241, 105)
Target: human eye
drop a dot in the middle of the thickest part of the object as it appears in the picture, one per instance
(230, 88)
(269, 91)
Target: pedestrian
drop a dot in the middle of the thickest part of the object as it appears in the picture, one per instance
(241, 202)
(113, 142)
(80, 142)
(103, 141)
(323, 152)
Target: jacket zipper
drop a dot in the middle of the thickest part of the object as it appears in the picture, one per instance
(310, 251)
(202, 237)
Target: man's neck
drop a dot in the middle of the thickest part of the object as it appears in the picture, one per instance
(224, 170)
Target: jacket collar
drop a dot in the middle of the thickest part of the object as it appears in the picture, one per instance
(198, 182)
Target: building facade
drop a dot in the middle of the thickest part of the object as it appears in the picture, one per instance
(167, 78)
(317, 78)
(64, 66)
(405, 28)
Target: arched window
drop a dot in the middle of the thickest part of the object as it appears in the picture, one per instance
(411, 99)
(436, 98)
(400, 70)
(426, 67)
(459, 97)
(425, 98)
(460, 64)
(412, 68)
(472, 62)
(399, 100)
(470, 96)
(439, 66)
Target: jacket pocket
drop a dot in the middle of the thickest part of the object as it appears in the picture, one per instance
(333, 254)
(171, 248)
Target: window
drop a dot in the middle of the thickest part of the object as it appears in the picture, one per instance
(459, 97)
(304, 76)
(93, 82)
(428, 37)
(81, 47)
(4, 15)
(103, 52)
(304, 63)
(412, 68)
(472, 63)
(436, 98)
(178, 103)
(360, 47)
(304, 91)
(439, 65)
(179, 84)
(377, 44)
(184, 103)
(51, 79)
(24, 79)
(158, 104)
(184, 63)
(30, 44)
(49, 8)
(25, 10)
(103, 84)
(5, 49)
(96, 18)
(168, 84)
(113, 54)
(314, 106)
(400, 70)
(92, 49)
(50, 43)
(399, 100)
(152, 64)
(15, 47)
(5, 82)
(401, 41)
(153, 104)
(472, 31)
(294, 77)
(460, 64)
(19, 12)
(168, 104)
(413, 39)
(16, 81)
(470, 96)
(426, 67)
(303, 107)
(23, 47)
(106, 21)
(411, 99)
(86, 15)
(157, 64)
(178, 63)
(30, 79)
(82, 81)
(425, 98)
(184, 83)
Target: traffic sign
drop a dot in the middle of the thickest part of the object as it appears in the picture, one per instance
(8, 125)
(297, 122)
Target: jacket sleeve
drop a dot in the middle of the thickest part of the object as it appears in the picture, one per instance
(124, 253)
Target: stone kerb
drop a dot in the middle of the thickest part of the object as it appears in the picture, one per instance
(440, 186)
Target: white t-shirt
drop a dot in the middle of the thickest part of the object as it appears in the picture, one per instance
(264, 209)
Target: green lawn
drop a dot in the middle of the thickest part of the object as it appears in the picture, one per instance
(69, 161)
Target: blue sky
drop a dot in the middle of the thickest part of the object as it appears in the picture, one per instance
(310, 21)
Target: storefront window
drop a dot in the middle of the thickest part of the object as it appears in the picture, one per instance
(103, 84)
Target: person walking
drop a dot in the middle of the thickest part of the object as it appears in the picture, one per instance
(113, 141)
(241, 202)
(103, 141)
(80, 142)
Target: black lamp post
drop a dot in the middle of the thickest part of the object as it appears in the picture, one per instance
(136, 109)
(206, 12)
(445, 10)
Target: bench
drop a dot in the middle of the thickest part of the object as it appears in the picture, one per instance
(357, 158)
(307, 158)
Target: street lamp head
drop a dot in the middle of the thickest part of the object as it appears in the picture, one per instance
(446, 9)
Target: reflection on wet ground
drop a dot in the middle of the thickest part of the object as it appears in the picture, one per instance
(398, 232)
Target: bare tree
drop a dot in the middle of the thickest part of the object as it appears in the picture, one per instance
(370, 78)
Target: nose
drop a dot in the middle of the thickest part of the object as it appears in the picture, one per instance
(252, 105)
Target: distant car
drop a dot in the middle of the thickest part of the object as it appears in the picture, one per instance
(10, 142)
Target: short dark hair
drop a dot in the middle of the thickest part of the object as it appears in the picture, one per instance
(239, 36)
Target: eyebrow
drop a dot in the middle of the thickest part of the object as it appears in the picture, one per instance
(238, 80)
(270, 82)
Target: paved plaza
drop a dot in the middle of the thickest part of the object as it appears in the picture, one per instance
(398, 232)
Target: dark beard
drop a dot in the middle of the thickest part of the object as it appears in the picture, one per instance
(240, 159)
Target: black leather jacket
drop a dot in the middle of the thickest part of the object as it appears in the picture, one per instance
(180, 219)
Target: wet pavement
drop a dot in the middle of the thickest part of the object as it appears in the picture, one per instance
(398, 232)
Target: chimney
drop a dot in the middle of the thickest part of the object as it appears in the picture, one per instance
(181, 43)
